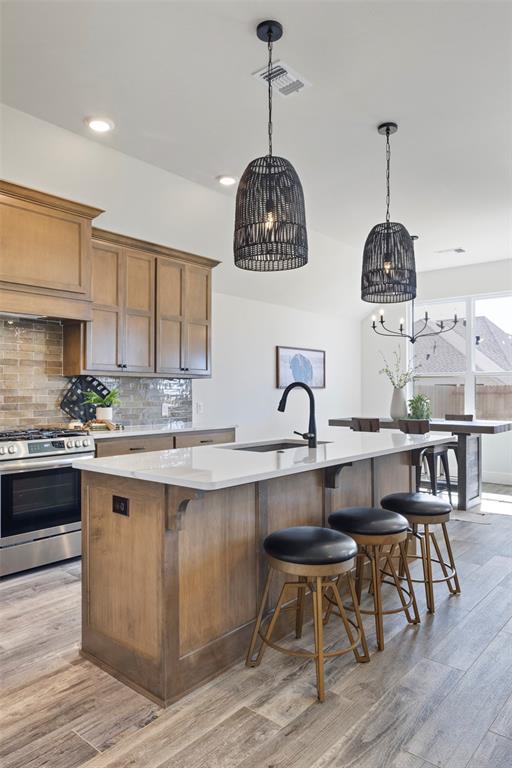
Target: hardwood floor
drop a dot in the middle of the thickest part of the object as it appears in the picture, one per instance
(439, 695)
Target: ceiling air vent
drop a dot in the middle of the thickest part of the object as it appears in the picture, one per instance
(452, 250)
(284, 79)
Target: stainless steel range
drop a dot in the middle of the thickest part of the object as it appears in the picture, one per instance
(40, 496)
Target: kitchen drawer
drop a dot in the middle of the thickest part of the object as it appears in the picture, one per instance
(118, 446)
(204, 438)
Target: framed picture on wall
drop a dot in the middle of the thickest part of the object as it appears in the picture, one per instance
(298, 364)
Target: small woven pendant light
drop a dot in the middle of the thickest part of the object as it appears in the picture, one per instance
(270, 219)
(389, 270)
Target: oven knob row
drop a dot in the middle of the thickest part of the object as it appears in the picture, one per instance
(77, 443)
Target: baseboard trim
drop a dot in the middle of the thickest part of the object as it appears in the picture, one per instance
(501, 478)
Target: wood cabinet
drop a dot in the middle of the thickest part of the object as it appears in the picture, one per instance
(104, 335)
(138, 312)
(183, 318)
(151, 312)
(125, 445)
(191, 439)
(46, 252)
(120, 446)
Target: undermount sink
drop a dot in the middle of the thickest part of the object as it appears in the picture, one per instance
(284, 445)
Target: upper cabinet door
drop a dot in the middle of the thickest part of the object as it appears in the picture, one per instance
(105, 332)
(170, 293)
(43, 247)
(139, 311)
(198, 319)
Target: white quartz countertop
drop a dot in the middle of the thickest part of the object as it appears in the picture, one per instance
(209, 468)
(169, 428)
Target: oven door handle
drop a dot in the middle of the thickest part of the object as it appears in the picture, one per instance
(33, 465)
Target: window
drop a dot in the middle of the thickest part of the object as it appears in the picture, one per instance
(445, 353)
(493, 357)
(468, 369)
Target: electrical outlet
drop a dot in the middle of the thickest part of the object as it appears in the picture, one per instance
(165, 409)
(199, 408)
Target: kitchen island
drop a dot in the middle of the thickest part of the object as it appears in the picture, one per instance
(172, 558)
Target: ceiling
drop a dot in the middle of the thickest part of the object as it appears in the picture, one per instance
(176, 79)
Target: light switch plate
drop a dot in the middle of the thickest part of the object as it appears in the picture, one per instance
(165, 409)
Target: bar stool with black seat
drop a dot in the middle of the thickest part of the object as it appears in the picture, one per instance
(317, 557)
(374, 530)
(430, 454)
(422, 509)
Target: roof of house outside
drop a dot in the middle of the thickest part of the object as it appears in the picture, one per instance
(446, 353)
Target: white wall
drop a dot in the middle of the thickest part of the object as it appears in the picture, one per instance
(243, 385)
(488, 278)
(144, 201)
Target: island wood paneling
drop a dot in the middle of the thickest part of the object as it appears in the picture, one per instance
(353, 487)
(390, 474)
(124, 564)
(217, 567)
(187, 567)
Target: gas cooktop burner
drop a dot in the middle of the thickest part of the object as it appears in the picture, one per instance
(44, 433)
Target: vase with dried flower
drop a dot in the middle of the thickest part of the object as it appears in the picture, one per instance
(399, 378)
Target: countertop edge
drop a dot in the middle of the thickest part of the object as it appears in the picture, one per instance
(155, 476)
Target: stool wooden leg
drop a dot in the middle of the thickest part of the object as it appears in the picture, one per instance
(330, 604)
(377, 598)
(429, 586)
(282, 596)
(407, 574)
(299, 614)
(398, 585)
(441, 561)
(359, 575)
(450, 557)
(249, 661)
(319, 636)
(359, 621)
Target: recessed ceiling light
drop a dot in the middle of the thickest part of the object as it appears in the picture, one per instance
(99, 124)
(226, 181)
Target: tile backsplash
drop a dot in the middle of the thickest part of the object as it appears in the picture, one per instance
(32, 384)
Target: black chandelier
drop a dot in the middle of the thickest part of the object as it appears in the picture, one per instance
(422, 332)
(389, 271)
(270, 219)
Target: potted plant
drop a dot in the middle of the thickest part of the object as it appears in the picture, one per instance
(103, 404)
(399, 378)
(420, 408)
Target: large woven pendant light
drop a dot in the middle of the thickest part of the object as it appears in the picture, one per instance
(270, 220)
(389, 271)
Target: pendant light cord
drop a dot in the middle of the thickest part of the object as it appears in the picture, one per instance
(269, 81)
(388, 162)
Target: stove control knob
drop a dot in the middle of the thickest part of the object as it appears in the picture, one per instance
(86, 443)
(12, 449)
(78, 443)
(2, 450)
(69, 444)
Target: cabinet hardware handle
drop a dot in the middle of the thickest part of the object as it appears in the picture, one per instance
(206, 441)
(137, 449)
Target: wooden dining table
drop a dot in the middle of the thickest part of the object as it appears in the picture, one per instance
(469, 450)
